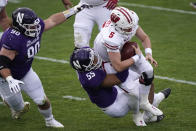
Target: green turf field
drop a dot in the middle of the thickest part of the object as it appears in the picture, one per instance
(171, 27)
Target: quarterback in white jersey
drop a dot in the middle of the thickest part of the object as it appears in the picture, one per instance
(5, 22)
(86, 19)
(120, 28)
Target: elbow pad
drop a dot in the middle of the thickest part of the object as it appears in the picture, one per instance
(4, 62)
(122, 76)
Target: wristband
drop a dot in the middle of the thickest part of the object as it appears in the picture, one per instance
(135, 58)
(9, 78)
(68, 13)
(148, 51)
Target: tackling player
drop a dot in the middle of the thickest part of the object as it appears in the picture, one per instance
(19, 44)
(102, 89)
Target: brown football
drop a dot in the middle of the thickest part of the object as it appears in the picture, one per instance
(127, 50)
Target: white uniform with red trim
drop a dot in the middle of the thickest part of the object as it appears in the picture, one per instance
(87, 18)
(3, 3)
(109, 40)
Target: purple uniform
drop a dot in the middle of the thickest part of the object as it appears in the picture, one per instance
(91, 81)
(26, 48)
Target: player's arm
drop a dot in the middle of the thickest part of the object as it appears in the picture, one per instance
(144, 38)
(114, 79)
(118, 65)
(60, 17)
(5, 21)
(6, 57)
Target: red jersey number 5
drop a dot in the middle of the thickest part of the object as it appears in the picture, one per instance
(111, 34)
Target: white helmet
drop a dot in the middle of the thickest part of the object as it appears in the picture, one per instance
(124, 20)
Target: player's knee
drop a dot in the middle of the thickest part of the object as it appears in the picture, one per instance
(118, 112)
(42, 103)
(147, 78)
(81, 37)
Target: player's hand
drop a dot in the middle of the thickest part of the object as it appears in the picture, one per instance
(80, 7)
(111, 4)
(67, 4)
(14, 84)
(152, 61)
(137, 50)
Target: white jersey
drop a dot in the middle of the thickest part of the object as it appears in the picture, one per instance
(3, 3)
(109, 40)
(94, 2)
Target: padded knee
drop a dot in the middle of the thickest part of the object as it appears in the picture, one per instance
(39, 101)
(145, 79)
(81, 37)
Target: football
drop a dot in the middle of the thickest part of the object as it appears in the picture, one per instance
(127, 50)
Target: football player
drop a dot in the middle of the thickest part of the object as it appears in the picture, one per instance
(102, 88)
(19, 44)
(85, 20)
(5, 21)
(120, 28)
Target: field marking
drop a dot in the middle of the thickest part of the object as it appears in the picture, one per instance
(158, 8)
(74, 98)
(14, 1)
(158, 77)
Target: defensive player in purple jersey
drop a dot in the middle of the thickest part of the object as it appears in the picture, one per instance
(102, 89)
(19, 44)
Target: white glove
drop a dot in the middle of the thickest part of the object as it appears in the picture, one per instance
(80, 7)
(13, 84)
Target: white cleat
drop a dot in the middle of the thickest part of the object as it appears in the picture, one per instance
(53, 123)
(152, 109)
(18, 114)
(138, 119)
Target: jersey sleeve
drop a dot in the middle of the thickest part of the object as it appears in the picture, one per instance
(92, 79)
(11, 41)
(42, 25)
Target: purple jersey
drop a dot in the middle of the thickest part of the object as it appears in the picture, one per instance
(91, 81)
(26, 48)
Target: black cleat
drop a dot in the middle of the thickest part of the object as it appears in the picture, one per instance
(166, 92)
(160, 118)
(193, 4)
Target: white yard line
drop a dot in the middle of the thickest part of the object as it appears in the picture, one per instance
(158, 8)
(74, 98)
(14, 1)
(158, 77)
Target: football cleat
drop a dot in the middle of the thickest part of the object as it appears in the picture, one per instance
(152, 109)
(148, 117)
(138, 119)
(18, 114)
(193, 4)
(53, 123)
(166, 92)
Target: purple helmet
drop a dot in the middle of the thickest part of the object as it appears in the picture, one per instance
(26, 21)
(85, 59)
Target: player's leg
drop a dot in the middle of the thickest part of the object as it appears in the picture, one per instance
(13, 100)
(83, 26)
(101, 15)
(35, 90)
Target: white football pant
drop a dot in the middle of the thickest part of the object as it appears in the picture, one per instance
(84, 23)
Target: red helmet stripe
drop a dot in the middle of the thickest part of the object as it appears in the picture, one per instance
(126, 14)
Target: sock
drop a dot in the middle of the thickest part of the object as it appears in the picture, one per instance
(158, 97)
(46, 113)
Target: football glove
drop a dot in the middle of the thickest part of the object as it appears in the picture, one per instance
(14, 84)
(80, 7)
